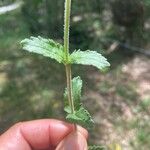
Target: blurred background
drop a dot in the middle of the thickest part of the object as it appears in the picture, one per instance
(32, 86)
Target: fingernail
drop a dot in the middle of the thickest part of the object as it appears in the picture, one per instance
(74, 141)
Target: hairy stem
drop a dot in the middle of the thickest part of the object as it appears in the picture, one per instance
(66, 49)
(69, 87)
(66, 27)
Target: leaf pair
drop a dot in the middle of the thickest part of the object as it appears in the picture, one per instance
(54, 50)
(81, 115)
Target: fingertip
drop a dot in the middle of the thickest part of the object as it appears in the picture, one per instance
(74, 141)
(83, 131)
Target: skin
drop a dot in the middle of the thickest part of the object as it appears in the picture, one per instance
(47, 134)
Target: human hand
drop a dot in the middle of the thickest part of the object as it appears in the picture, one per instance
(46, 134)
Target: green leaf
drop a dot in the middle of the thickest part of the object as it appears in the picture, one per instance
(76, 94)
(96, 147)
(89, 58)
(82, 117)
(77, 87)
(45, 47)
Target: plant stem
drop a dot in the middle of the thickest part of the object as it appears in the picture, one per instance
(69, 87)
(66, 49)
(66, 27)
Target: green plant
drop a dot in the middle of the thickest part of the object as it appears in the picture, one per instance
(76, 113)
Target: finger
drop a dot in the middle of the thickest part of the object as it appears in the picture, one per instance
(13, 140)
(43, 133)
(74, 141)
(82, 131)
(39, 134)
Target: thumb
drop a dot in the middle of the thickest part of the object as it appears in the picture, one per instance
(74, 141)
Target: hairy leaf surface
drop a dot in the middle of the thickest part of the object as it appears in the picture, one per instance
(81, 115)
(76, 91)
(96, 147)
(45, 47)
(89, 58)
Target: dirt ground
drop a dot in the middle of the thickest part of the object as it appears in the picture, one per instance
(117, 99)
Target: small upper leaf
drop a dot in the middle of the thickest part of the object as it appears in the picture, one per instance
(89, 58)
(45, 47)
(76, 94)
(82, 117)
(77, 87)
(96, 147)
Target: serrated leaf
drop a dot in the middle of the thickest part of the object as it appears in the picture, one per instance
(67, 109)
(77, 87)
(89, 58)
(82, 117)
(95, 147)
(45, 47)
(76, 94)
